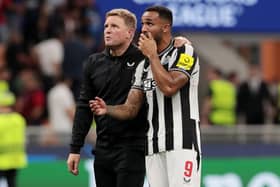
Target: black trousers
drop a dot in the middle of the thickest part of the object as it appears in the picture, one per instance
(119, 167)
(10, 176)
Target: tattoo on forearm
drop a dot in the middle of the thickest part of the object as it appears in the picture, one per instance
(128, 110)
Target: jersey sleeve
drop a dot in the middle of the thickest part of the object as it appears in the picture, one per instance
(186, 60)
(137, 82)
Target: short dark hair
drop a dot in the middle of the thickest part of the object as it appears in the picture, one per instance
(163, 12)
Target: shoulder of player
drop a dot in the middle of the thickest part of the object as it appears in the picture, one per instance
(185, 47)
(189, 46)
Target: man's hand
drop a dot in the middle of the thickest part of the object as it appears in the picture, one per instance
(180, 40)
(147, 45)
(73, 163)
(98, 106)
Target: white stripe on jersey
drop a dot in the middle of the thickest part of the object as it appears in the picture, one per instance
(177, 117)
(150, 97)
(194, 111)
(161, 120)
(198, 136)
(138, 75)
(172, 58)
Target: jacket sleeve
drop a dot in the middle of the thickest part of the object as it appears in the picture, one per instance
(83, 115)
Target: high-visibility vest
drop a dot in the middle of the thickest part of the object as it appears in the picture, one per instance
(223, 102)
(12, 141)
(4, 86)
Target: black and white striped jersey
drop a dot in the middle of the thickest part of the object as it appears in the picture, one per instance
(173, 121)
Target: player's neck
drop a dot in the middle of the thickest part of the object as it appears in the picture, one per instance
(164, 43)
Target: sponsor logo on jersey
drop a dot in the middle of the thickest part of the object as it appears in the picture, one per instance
(149, 84)
(185, 61)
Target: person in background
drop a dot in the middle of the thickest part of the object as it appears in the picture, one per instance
(233, 78)
(4, 79)
(61, 108)
(75, 53)
(219, 107)
(168, 77)
(277, 116)
(12, 145)
(5, 5)
(16, 57)
(31, 101)
(254, 98)
(48, 56)
(274, 90)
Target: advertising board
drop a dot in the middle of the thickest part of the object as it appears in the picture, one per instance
(216, 172)
(210, 15)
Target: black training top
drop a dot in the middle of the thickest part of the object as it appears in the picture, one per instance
(110, 78)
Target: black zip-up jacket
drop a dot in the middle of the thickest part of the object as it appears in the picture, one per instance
(108, 77)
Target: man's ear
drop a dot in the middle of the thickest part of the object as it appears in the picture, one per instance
(166, 27)
(131, 32)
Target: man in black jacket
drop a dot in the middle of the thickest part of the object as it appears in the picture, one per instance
(119, 152)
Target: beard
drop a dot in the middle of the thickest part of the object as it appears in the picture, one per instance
(158, 38)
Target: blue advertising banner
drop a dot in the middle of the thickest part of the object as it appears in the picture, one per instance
(257, 16)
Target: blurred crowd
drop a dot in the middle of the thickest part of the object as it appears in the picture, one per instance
(43, 45)
(230, 101)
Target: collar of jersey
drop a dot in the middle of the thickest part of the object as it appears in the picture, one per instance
(169, 47)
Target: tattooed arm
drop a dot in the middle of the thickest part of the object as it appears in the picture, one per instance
(128, 110)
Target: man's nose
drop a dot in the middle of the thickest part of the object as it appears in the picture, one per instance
(107, 30)
(144, 29)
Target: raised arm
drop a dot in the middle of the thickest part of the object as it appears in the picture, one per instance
(128, 110)
(169, 82)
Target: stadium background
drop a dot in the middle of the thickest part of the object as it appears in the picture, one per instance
(226, 33)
